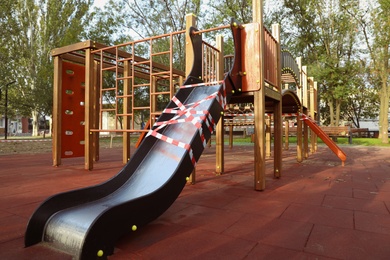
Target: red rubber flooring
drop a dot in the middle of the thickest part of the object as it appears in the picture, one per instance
(317, 210)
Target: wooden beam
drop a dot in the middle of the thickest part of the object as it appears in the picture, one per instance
(259, 102)
(220, 129)
(269, 92)
(278, 121)
(80, 46)
(88, 106)
(190, 21)
(312, 109)
(95, 111)
(57, 118)
(126, 110)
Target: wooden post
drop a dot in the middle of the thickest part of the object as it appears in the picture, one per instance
(299, 121)
(305, 109)
(57, 103)
(304, 87)
(190, 21)
(316, 113)
(312, 110)
(305, 137)
(299, 138)
(126, 153)
(278, 122)
(88, 118)
(286, 134)
(299, 88)
(96, 110)
(231, 136)
(219, 135)
(153, 100)
(268, 137)
(259, 102)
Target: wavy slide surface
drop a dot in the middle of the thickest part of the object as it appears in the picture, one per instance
(87, 222)
(82, 222)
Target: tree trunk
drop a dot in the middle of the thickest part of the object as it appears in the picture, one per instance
(384, 107)
(337, 118)
(50, 125)
(384, 99)
(331, 112)
(35, 123)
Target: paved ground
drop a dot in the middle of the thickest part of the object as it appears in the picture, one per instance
(317, 210)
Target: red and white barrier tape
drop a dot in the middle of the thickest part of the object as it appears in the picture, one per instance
(189, 112)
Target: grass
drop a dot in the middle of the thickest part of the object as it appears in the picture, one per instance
(355, 141)
(340, 140)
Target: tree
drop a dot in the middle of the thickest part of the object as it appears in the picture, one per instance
(323, 35)
(36, 28)
(362, 101)
(374, 23)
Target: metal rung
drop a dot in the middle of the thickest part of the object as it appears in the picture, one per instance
(161, 53)
(125, 59)
(141, 108)
(124, 96)
(109, 68)
(156, 113)
(141, 62)
(160, 73)
(142, 85)
(161, 93)
(122, 78)
(124, 114)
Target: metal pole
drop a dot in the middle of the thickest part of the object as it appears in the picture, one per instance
(6, 110)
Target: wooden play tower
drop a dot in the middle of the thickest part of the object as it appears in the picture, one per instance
(88, 76)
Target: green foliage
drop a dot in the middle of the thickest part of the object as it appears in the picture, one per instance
(326, 35)
(33, 29)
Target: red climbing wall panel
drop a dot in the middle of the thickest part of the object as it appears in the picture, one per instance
(72, 109)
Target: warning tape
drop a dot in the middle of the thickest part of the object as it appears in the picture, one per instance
(196, 117)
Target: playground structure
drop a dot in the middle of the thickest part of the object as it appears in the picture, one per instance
(77, 113)
(87, 222)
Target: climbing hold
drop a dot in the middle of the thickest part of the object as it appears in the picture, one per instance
(134, 228)
(100, 253)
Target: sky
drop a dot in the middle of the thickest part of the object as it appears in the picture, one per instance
(100, 3)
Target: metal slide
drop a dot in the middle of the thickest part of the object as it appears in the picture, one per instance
(324, 137)
(87, 222)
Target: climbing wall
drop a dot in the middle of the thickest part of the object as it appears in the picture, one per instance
(72, 109)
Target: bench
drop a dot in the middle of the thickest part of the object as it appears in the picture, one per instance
(338, 131)
(361, 132)
(331, 131)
